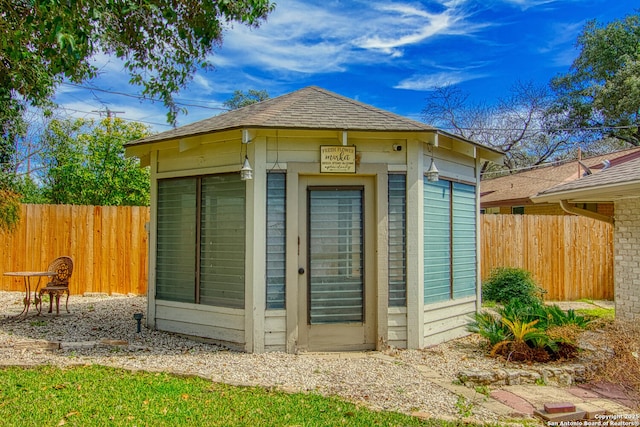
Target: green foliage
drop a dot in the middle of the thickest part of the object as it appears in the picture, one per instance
(597, 313)
(602, 87)
(9, 210)
(535, 331)
(546, 315)
(86, 164)
(240, 99)
(520, 330)
(558, 317)
(101, 396)
(464, 407)
(161, 43)
(489, 326)
(507, 283)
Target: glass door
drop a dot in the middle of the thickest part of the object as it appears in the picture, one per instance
(337, 301)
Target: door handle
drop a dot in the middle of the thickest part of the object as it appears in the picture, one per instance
(301, 270)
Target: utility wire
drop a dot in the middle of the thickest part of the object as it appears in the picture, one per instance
(97, 113)
(129, 95)
(544, 130)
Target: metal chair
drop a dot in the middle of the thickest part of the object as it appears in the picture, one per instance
(59, 284)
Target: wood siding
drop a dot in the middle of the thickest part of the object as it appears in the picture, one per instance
(447, 320)
(397, 327)
(220, 324)
(571, 257)
(108, 245)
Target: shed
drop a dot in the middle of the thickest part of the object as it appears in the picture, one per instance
(313, 222)
(620, 185)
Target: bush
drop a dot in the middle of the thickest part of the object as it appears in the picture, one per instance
(530, 332)
(490, 327)
(507, 283)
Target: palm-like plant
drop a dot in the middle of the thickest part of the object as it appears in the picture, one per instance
(521, 333)
(490, 327)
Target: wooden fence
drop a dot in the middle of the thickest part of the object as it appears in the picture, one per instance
(108, 245)
(571, 257)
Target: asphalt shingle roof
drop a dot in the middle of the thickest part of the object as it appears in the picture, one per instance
(308, 108)
(524, 185)
(622, 173)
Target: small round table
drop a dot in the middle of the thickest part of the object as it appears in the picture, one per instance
(27, 275)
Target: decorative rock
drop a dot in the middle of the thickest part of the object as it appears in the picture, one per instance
(561, 376)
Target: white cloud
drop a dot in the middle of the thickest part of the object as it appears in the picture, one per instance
(304, 37)
(427, 82)
(527, 4)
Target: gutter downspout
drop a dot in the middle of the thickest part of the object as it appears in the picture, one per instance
(583, 212)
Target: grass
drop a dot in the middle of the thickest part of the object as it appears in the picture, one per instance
(102, 396)
(598, 313)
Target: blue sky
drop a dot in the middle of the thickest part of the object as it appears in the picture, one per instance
(389, 54)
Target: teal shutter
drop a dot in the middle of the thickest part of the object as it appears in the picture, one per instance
(176, 240)
(276, 240)
(437, 241)
(397, 240)
(464, 240)
(222, 241)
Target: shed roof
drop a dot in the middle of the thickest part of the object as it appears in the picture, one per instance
(310, 108)
(522, 186)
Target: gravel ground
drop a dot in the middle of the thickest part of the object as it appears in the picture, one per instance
(387, 380)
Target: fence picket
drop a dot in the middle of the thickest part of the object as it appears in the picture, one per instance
(108, 246)
(570, 257)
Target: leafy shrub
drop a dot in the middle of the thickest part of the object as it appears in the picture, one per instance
(9, 210)
(490, 327)
(537, 332)
(508, 283)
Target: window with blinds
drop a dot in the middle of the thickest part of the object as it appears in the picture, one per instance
(449, 240)
(201, 223)
(176, 241)
(276, 240)
(397, 240)
(464, 240)
(222, 241)
(437, 241)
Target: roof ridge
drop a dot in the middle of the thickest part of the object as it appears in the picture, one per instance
(369, 107)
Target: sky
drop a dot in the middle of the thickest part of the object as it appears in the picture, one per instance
(389, 54)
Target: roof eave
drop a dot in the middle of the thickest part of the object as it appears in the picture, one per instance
(599, 193)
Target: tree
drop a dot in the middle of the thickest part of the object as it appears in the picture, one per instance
(516, 124)
(240, 99)
(85, 163)
(162, 44)
(602, 88)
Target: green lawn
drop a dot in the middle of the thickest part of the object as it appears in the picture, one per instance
(101, 396)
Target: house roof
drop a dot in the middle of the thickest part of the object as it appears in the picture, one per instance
(310, 108)
(519, 188)
(619, 181)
